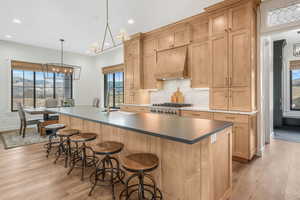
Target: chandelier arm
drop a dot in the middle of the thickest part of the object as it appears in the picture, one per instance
(105, 33)
(111, 36)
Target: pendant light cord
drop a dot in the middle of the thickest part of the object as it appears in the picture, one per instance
(62, 52)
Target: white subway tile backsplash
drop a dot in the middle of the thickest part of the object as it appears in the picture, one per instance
(196, 96)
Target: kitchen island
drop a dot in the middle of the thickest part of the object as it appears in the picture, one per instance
(195, 154)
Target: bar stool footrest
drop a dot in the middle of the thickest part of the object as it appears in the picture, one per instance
(148, 189)
(118, 177)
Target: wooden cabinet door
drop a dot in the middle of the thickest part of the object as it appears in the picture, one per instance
(136, 73)
(199, 30)
(182, 35)
(149, 65)
(219, 98)
(129, 73)
(218, 23)
(165, 40)
(199, 61)
(149, 46)
(240, 140)
(240, 99)
(219, 61)
(239, 18)
(239, 59)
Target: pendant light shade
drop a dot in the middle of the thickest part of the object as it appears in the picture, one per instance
(70, 71)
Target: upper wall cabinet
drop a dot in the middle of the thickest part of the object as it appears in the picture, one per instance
(199, 29)
(239, 59)
(199, 62)
(149, 46)
(239, 18)
(219, 61)
(150, 63)
(218, 23)
(176, 36)
(133, 63)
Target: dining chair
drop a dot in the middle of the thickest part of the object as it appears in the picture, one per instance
(51, 103)
(96, 102)
(24, 121)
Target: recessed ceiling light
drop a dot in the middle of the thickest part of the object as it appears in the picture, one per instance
(130, 21)
(17, 21)
(8, 36)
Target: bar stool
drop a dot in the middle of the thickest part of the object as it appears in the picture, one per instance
(65, 144)
(108, 171)
(80, 154)
(139, 164)
(52, 128)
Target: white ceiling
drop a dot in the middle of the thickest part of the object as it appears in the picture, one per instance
(81, 22)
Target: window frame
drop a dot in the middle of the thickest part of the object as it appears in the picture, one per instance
(113, 89)
(291, 92)
(34, 87)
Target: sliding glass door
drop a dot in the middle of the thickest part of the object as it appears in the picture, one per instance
(114, 89)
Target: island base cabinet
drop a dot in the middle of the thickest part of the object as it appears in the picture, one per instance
(200, 171)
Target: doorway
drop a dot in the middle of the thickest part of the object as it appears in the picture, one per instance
(285, 87)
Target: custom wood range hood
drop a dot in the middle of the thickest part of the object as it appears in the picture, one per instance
(172, 63)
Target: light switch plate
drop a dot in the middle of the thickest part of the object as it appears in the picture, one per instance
(213, 138)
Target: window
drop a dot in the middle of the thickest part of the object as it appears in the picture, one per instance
(285, 15)
(295, 89)
(114, 88)
(31, 88)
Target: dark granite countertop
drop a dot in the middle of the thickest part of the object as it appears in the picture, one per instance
(172, 127)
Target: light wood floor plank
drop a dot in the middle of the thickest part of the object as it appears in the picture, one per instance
(27, 174)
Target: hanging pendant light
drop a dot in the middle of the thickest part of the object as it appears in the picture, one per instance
(122, 36)
(70, 71)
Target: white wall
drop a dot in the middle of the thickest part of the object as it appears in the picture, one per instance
(109, 58)
(84, 90)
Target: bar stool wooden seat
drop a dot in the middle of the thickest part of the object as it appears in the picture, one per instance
(65, 144)
(108, 171)
(139, 164)
(51, 131)
(80, 158)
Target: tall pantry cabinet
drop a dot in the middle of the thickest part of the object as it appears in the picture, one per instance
(232, 37)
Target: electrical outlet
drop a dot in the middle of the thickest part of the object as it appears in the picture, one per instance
(213, 138)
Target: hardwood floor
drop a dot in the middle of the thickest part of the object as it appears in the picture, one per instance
(27, 174)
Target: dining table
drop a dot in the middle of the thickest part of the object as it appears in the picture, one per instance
(39, 111)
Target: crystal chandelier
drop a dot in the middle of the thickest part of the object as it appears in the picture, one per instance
(70, 71)
(121, 37)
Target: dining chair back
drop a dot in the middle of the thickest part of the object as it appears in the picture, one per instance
(24, 122)
(21, 113)
(51, 103)
(96, 102)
